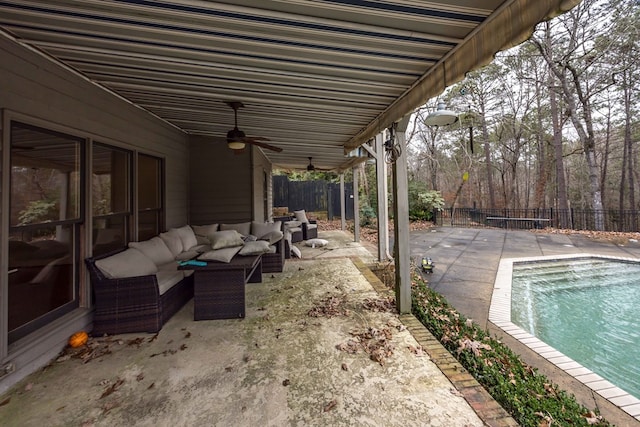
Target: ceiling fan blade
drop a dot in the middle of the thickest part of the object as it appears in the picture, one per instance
(255, 141)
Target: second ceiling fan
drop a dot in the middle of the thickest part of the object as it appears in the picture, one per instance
(236, 139)
(311, 167)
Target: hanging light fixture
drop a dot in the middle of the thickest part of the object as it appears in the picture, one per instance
(441, 117)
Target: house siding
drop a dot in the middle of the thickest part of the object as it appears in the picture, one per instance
(220, 182)
(41, 92)
(261, 171)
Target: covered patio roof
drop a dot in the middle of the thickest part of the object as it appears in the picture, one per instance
(317, 78)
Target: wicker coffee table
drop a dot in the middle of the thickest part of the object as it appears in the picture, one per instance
(219, 286)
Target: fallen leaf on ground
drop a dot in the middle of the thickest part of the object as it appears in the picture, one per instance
(5, 402)
(135, 341)
(112, 388)
(329, 406)
(109, 406)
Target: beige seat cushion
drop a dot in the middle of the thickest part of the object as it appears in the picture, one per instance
(155, 249)
(173, 241)
(128, 263)
(222, 255)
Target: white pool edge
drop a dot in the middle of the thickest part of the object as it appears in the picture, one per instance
(500, 315)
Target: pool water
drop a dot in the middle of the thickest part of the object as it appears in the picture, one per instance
(588, 309)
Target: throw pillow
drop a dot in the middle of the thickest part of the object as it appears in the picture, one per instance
(155, 249)
(188, 237)
(255, 248)
(173, 241)
(243, 228)
(225, 239)
(128, 263)
(295, 251)
(222, 255)
(292, 224)
(319, 243)
(301, 216)
(202, 231)
(273, 237)
(260, 229)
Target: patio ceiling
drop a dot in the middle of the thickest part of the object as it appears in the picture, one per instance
(318, 78)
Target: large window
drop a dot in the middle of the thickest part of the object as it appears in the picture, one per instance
(111, 201)
(150, 200)
(44, 227)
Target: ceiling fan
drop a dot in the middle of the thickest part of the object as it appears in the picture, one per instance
(236, 139)
(311, 167)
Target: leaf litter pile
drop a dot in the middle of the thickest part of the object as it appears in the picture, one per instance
(334, 306)
(376, 342)
(99, 347)
(331, 306)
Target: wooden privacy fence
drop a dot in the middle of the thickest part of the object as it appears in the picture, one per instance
(312, 196)
(572, 219)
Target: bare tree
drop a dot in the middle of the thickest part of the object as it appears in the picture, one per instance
(568, 49)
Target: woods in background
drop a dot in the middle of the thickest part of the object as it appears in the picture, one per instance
(553, 122)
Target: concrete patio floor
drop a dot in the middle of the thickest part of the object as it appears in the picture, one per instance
(278, 366)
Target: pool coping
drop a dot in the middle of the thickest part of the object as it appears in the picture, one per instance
(500, 315)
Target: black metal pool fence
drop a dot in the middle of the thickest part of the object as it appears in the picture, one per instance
(525, 219)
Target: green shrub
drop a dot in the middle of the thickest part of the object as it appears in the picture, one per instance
(531, 398)
(423, 202)
(38, 211)
(367, 215)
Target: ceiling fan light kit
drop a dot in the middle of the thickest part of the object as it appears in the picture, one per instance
(237, 139)
(235, 145)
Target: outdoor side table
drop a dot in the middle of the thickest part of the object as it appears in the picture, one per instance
(219, 291)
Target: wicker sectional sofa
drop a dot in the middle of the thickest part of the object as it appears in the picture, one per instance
(139, 288)
(135, 303)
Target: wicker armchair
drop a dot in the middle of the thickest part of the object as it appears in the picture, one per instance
(309, 229)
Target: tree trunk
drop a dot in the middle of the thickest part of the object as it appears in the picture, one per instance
(542, 170)
(559, 158)
(628, 144)
(487, 158)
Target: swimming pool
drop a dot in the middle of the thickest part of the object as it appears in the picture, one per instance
(580, 312)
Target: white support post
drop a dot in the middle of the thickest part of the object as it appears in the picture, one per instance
(382, 198)
(356, 206)
(343, 210)
(401, 224)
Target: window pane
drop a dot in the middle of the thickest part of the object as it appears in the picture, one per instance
(148, 182)
(45, 176)
(110, 233)
(41, 276)
(150, 209)
(110, 181)
(148, 225)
